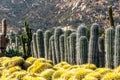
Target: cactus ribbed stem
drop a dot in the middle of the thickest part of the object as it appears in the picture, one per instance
(47, 35)
(73, 48)
(40, 43)
(109, 47)
(4, 27)
(117, 47)
(93, 55)
(68, 49)
(82, 57)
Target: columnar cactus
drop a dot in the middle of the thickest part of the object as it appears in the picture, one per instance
(82, 57)
(66, 34)
(109, 47)
(101, 47)
(47, 35)
(53, 49)
(61, 39)
(72, 48)
(40, 43)
(3, 39)
(117, 47)
(57, 33)
(35, 52)
(68, 49)
(81, 31)
(93, 54)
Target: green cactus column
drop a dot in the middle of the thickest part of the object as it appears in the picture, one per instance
(117, 47)
(68, 49)
(82, 57)
(53, 49)
(109, 47)
(47, 35)
(73, 48)
(40, 43)
(81, 31)
(66, 34)
(101, 44)
(34, 45)
(57, 33)
(93, 52)
(61, 39)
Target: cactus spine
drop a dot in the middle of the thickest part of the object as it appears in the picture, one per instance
(93, 54)
(66, 52)
(57, 33)
(83, 50)
(109, 47)
(81, 31)
(61, 39)
(117, 47)
(101, 52)
(34, 45)
(47, 35)
(40, 43)
(72, 48)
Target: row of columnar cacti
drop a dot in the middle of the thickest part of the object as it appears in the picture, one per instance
(76, 48)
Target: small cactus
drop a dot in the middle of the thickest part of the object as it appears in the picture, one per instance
(93, 54)
(72, 48)
(82, 58)
(40, 43)
(117, 47)
(109, 47)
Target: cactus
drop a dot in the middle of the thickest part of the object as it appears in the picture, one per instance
(117, 47)
(109, 47)
(83, 50)
(3, 39)
(16, 42)
(34, 45)
(68, 49)
(61, 39)
(47, 35)
(57, 33)
(81, 31)
(65, 54)
(53, 49)
(111, 17)
(101, 52)
(72, 48)
(40, 43)
(93, 52)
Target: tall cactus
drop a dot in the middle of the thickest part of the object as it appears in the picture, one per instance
(68, 49)
(72, 48)
(53, 49)
(66, 34)
(109, 47)
(47, 35)
(82, 58)
(81, 31)
(93, 54)
(34, 45)
(117, 47)
(101, 51)
(57, 33)
(61, 39)
(40, 43)
(3, 39)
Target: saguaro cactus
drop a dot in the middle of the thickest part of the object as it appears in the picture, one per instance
(57, 33)
(35, 52)
(109, 47)
(66, 34)
(82, 58)
(72, 48)
(47, 35)
(81, 31)
(117, 47)
(3, 39)
(40, 43)
(61, 39)
(93, 54)
(101, 52)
